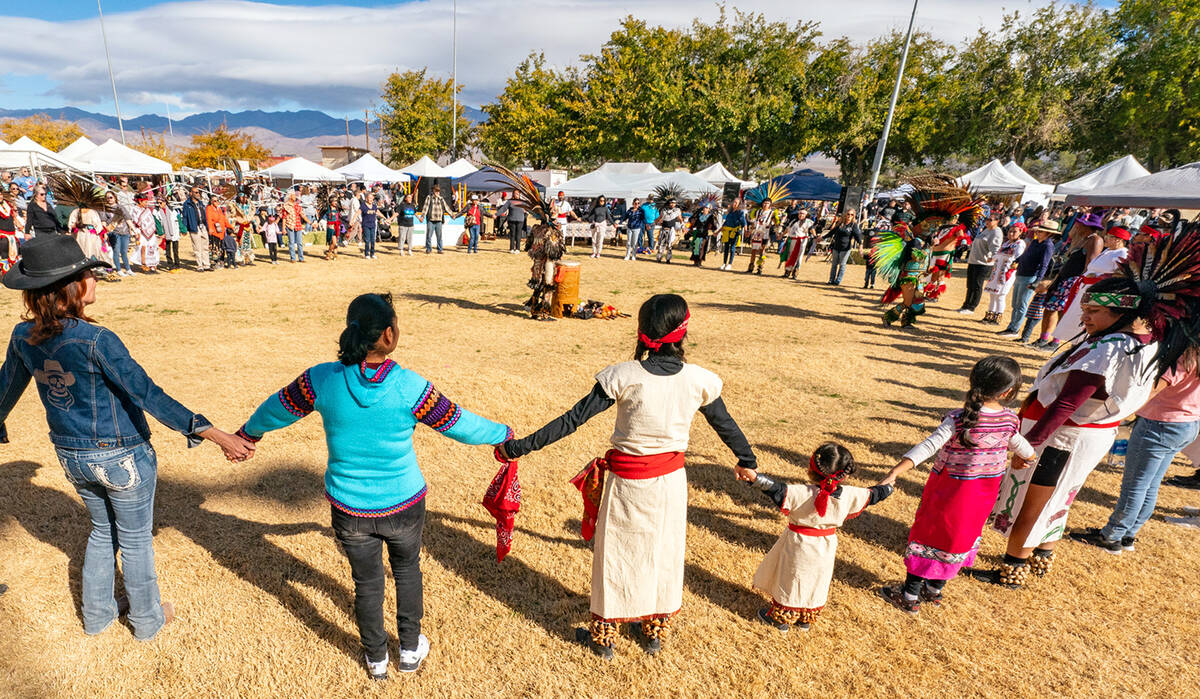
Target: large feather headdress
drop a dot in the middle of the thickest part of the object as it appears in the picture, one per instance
(77, 193)
(526, 194)
(772, 191)
(936, 199)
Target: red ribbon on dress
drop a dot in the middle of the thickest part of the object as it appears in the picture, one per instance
(590, 481)
(503, 501)
(809, 531)
(674, 336)
(829, 483)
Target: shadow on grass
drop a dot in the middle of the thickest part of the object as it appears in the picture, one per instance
(504, 309)
(775, 309)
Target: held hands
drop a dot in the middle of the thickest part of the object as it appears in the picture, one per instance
(890, 478)
(236, 449)
(745, 474)
(1019, 464)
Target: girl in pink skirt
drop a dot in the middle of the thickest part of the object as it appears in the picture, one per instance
(972, 446)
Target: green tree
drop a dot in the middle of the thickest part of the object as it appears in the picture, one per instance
(846, 103)
(1153, 108)
(218, 147)
(415, 118)
(1022, 91)
(533, 119)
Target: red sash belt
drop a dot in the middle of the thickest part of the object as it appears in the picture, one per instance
(590, 481)
(1035, 410)
(809, 531)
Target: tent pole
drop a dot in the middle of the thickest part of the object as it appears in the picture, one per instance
(887, 124)
(453, 81)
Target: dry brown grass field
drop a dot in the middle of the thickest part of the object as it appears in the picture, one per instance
(263, 596)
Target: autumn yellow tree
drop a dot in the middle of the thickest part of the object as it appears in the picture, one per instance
(218, 147)
(54, 134)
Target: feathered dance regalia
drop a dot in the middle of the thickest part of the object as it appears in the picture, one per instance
(545, 244)
(77, 193)
(901, 255)
(1160, 283)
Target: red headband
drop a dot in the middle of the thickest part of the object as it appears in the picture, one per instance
(1119, 232)
(829, 483)
(674, 336)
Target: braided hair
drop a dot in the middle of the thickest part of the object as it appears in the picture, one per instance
(991, 378)
(834, 460)
(366, 319)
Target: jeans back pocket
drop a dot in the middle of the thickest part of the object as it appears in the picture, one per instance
(120, 473)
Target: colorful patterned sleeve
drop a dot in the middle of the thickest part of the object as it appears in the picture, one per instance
(291, 403)
(445, 416)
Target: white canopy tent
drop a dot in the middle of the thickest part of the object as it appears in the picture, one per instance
(459, 168)
(593, 184)
(718, 174)
(76, 149)
(992, 178)
(1034, 190)
(425, 167)
(13, 157)
(113, 158)
(369, 169)
(629, 169)
(1118, 171)
(1178, 188)
(302, 170)
(28, 144)
(627, 186)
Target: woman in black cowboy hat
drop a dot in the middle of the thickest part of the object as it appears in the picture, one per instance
(94, 394)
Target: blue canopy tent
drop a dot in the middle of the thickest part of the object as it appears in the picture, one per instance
(487, 180)
(808, 184)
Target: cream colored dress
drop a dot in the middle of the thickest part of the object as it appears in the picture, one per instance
(798, 569)
(637, 563)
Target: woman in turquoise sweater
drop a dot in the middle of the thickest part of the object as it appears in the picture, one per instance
(370, 407)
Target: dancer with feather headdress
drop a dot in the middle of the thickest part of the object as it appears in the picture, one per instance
(1138, 323)
(766, 196)
(88, 203)
(545, 243)
(901, 255)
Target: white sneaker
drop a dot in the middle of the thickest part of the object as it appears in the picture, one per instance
(1008, 335)
(410, 660)
(377, 671)
(965, 312)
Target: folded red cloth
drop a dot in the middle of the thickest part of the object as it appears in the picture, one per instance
(503, 501)
(590, 481)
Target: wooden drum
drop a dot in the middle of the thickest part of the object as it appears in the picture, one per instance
(566, 293)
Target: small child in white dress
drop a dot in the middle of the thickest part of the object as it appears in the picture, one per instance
(798, 569)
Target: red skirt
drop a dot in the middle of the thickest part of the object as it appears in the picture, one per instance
(949, 521)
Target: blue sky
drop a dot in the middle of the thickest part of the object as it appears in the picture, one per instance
(201, 55)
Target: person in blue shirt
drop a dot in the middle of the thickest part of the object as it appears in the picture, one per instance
(369, 408)
(96, 396)
(649, 216)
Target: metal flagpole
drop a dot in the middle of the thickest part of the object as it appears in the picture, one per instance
(112, 79)
(170, 126)
(887, 125)
(453, 80)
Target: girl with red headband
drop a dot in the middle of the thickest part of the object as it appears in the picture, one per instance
(638, 514)
(798, 569)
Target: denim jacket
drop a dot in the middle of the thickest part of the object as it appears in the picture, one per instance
(93, 391)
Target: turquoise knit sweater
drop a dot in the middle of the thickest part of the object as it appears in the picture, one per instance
(369, 417)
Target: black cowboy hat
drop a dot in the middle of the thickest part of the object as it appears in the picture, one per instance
(47, 259)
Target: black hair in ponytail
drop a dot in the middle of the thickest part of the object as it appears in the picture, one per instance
(991, 378)
(366, 319)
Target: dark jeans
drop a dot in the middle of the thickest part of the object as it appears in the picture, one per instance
(514, 234)
(869, 278)
(362, 540)
(976, 276)
(173, 254)
(369, 235)
(273, 248)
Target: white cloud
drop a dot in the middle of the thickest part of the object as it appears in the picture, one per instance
(230, 54)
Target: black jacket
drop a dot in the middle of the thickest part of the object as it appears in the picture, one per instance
(844, 237)
(41, 221)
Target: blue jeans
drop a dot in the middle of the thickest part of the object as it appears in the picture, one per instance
(1152, 447)
(433, 228)
(117, 486)
(473, 240)
(121, 252)
(838, 267)
(296, 245)
(1020, 301)
(369, 233)
(648, 232)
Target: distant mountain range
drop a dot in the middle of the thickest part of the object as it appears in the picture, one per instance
(303, 124)
(284, 133)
